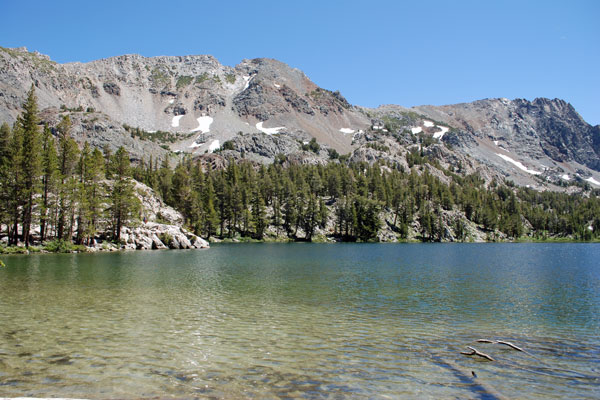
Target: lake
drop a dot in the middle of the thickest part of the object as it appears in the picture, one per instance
(304, 321)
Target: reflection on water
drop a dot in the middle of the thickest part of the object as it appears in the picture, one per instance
(303, 320)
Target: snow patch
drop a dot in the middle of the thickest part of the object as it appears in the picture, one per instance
(151, 131)
(416, 130)
(175, 121)
(277, 86)
(268, 131)
(203, 124)
(496, 142)
(428, 124)
(247, 79)
(213, 146)
(566, 177)
(377, 127)
(171, 101)
(346, 130)
(440, 134)
(518, 164)
(592, 180)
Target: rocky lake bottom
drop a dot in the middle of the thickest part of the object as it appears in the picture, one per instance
(304, 320)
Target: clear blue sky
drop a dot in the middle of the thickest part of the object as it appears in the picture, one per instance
(374, 52)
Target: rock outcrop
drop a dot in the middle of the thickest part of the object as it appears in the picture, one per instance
(155, 236)
(263, 107)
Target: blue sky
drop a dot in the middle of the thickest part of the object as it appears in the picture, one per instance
(374, 52)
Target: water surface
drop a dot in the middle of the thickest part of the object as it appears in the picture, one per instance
(303, 320)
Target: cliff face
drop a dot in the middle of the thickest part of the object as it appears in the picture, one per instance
(537, 129)
(264, 108)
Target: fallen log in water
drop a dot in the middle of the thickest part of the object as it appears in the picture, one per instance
(509, 344)
(475, 352)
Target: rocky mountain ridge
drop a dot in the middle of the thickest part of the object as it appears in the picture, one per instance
(262, 108)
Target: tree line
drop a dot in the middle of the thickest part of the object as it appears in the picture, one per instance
(357, 199)
(70, 193)
(77, 194)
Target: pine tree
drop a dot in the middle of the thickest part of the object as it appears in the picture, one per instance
(67, 160)
(125, 205)
(30, 159)
(181, 192)
(210, 216)
(90, 169)
(5, 159)
(50, 178)
(259, 217)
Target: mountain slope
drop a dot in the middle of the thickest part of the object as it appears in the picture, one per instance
(539, 128)
(193, 104)
(194, 96)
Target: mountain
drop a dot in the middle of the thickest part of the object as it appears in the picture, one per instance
(262, 108)
(546, 134)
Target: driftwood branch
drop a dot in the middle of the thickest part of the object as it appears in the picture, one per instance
(475, 352)
(509, 344)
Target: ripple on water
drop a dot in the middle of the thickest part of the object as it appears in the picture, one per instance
(370, 321)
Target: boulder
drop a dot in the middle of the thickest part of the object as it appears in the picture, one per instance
(200, 243)
(144, 243)
(157, 244)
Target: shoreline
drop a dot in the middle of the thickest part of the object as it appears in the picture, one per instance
(112, 248)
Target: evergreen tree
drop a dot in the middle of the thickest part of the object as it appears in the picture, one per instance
(125, 206)
(67, 160)
(15, 182)
(210, 217)
(90, 169)
(30, 159)
(5, 160)
(50, 179)
(259, 217)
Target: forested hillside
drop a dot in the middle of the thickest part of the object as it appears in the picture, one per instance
(69, 193)
(358, 201)
(53, 189)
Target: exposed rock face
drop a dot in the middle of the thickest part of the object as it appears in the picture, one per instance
(540, 127)
(204, 104)
(171, 93)
(264, 149)
(154, 209)
(539, 143)
(153, 236)
(112, 88)
(162, 229)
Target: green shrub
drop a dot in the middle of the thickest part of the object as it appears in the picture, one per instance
(62, 246)
(166, 238)
(13, 250)
(183, 81)
(230, 78)
(312, 146)
(202, 78)
(228, 145)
